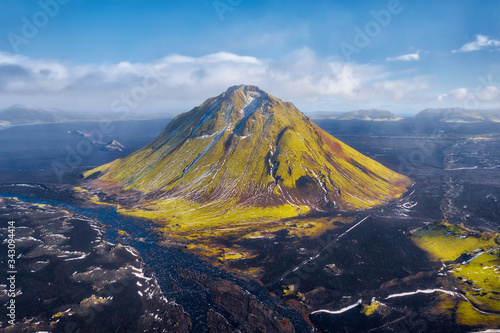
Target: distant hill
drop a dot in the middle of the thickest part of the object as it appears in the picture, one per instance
(323, 114)
(370, 115)
(459, 115)
(20, 114)
(450, 115)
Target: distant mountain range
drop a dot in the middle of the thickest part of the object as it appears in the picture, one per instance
(365, 115)
(459, 115)
(373, 115)
(20, 114)
(452, 115)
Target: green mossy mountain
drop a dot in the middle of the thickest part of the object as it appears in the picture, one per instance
(248, 155)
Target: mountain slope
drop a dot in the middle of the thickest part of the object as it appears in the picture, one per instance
(245, 156)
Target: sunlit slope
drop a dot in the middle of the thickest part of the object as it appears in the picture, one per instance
(244, 150)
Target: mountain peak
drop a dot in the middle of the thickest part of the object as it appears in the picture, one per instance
(244, 88)
(236, 110)
(243, 95)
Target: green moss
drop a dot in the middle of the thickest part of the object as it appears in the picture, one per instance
(233, 256)
(480, 280)
(211, 215)
(288, 290)
(466, 315)
(445, 307)
(369, 310)
(204, 250)
(447, 242)
(93, 301)
(477, 274)
(58, 315)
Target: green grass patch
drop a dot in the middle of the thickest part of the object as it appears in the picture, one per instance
(369, 310)
(466, 315)
(477, 269)
(480, 280)
(447, 242)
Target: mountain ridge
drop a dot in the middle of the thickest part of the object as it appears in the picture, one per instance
(19, 114)
(457, 114)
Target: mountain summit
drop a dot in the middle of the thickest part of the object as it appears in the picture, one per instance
(246, 155)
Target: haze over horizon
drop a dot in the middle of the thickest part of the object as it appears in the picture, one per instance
(402, 56)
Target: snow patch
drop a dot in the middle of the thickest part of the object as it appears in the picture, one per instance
(341, 310)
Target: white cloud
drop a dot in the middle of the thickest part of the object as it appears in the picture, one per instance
(178, 82)
(480, 97)
(405, 57)
(481, 42)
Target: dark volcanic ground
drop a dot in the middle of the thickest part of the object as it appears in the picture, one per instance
(74, 275)
(456, 169)
(69, 279)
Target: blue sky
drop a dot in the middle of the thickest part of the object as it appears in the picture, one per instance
(402, 56)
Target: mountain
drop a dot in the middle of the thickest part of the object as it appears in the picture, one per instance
(373, 115)
(244, 156)
(324, 114)
(368, 115)
(459, 115)
(20, 114)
